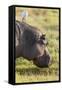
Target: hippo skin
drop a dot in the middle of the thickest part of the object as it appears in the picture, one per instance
(31, 44)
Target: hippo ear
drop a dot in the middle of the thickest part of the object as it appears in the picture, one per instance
(43, 36)
(43, 39)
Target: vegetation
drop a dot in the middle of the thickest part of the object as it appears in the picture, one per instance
(47, 20)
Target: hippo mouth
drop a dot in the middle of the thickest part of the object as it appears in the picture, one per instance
(42, 61)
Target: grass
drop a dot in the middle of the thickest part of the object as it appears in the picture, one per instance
(26, 71)
(48, 23)
(34, 78)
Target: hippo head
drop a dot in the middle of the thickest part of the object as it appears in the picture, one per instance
(43, 59)
(32, 44)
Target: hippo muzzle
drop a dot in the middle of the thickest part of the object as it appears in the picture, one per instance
(42, 61)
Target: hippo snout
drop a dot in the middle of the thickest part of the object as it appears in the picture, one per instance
(42, 61)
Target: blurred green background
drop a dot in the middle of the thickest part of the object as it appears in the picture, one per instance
(47, 20)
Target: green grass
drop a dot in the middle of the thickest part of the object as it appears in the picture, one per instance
(25, 70)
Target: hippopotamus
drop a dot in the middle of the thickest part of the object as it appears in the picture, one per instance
(31, 44)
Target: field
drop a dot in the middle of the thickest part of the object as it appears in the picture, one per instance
(47, 20)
